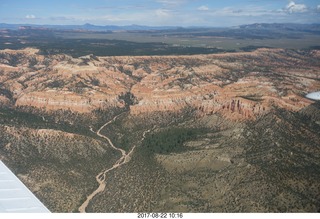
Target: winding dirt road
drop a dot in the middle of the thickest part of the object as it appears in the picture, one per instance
(101, 177)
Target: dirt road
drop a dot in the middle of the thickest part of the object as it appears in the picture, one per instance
(102, 176)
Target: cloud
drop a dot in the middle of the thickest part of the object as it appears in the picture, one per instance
(30, 16)
(292, 7)
(122, 7)
(203, 8)
(246, 11)
(318, 8)
(163, 13)
(111, 18)
(61, 18)
(171, 3)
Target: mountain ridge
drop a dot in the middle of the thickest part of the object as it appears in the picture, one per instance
(135, 27)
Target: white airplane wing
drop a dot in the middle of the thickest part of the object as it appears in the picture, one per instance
(314, 95)
(15, 197)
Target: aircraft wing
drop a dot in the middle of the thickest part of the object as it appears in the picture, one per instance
(15, 197)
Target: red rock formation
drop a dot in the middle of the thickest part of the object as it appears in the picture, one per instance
(236, 85)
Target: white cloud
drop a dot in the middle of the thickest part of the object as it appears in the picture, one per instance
(61, 18)
(249, 11)
(163, 13)
(292, 7)
(30, 16)
(318, 8)
(171, 3)
(110, 18)
(203, 8)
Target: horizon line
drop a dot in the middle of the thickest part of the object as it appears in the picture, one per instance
(171, 26)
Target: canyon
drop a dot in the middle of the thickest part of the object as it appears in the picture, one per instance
(237, 85)
(228, 132)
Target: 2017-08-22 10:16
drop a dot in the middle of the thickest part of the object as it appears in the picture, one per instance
(160, 215)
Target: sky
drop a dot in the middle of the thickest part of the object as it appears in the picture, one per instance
(213, 13)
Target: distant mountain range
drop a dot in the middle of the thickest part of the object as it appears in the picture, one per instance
(87, 27)
(91, 27)
(314, 28)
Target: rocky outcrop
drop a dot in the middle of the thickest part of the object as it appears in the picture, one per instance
(235, 85)
(53, 100)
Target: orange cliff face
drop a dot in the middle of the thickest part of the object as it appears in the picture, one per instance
(236, 85)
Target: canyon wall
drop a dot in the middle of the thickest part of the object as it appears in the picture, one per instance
(236, 85)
